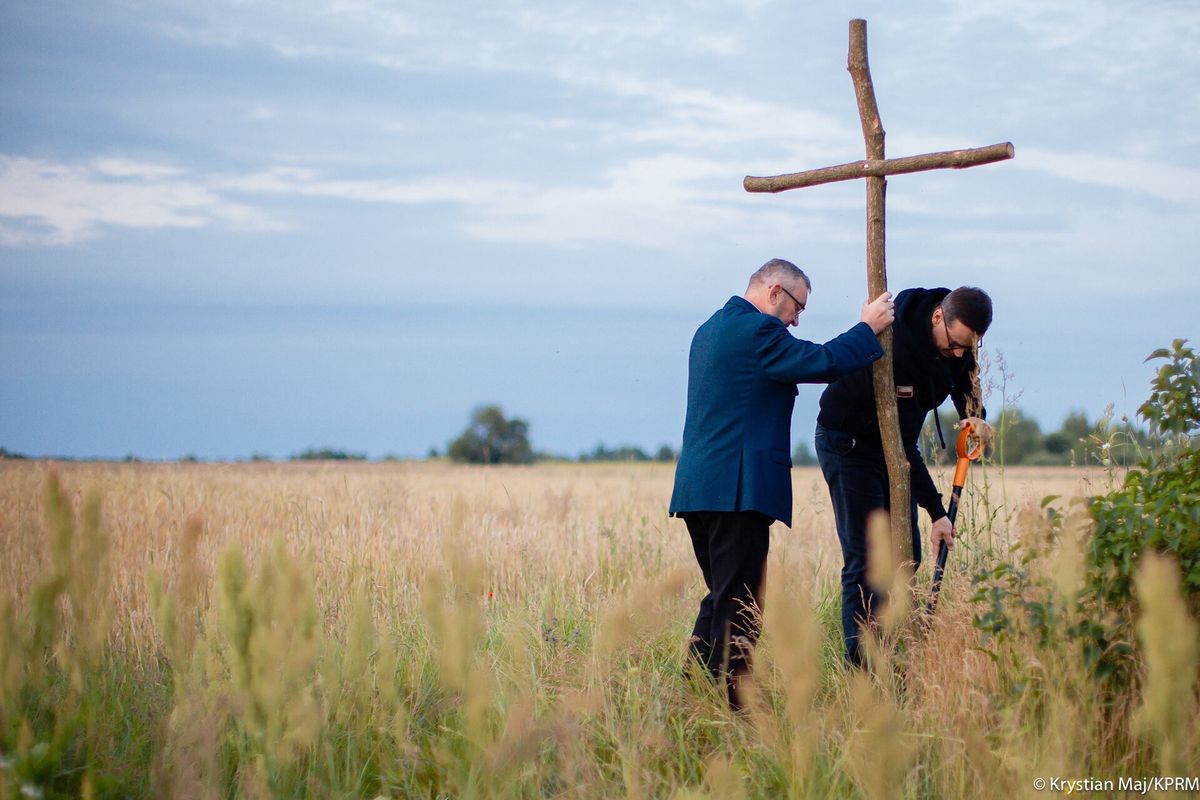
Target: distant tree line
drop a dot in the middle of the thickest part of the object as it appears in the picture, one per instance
(491, 437)
(1019, 440)
(627, 453)
(327, 454)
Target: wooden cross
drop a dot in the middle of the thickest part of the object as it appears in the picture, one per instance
(875, 170)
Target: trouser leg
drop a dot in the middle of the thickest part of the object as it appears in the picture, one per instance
(731, 548)
(701, 645)
(857, 487)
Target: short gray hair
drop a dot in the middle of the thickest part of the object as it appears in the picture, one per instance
(777, 271)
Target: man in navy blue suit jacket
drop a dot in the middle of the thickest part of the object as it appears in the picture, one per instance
(733, 478)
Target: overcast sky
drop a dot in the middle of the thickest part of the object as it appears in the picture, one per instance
(235, 227)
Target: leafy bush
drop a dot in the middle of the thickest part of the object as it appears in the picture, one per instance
(1155, 509)
(1158, 506)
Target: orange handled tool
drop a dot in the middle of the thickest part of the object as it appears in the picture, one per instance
(966, 454)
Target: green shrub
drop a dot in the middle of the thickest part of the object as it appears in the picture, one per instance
(1154, 509)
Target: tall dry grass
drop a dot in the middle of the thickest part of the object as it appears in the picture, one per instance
(425, 630)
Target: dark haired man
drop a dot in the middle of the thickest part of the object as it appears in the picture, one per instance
(733, 478)
(935, 336)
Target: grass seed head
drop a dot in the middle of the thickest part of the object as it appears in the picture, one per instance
(1171, 641)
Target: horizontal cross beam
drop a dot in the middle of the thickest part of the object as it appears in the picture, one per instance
(879, 168)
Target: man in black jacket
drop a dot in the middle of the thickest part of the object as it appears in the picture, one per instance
(935, 335)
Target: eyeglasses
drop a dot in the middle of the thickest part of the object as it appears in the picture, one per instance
(799, 305)
(953, 345)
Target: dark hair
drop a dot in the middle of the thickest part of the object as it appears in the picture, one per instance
(776, 269)
(969, 305)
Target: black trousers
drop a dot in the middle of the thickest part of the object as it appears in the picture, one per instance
(731, 548)
(858, 485)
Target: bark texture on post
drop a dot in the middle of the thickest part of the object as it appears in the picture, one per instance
(881, 372)
(953, 159)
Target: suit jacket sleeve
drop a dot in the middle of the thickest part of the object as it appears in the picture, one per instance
(787, 359)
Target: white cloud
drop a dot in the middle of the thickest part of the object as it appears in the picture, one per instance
(609, 48)
(1107, 38)
(57, 204)
(699, 119)
(134, 170)
(503, 34)
(674, 203)
(669, 202)
(610, 30)
(1177, 183)
(302, 182)
(655, 202)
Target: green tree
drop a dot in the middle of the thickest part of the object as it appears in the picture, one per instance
(492, 438)
(803, 455)
(1018, 437)
(1075, 432)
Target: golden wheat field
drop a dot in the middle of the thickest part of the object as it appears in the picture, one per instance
(392, 523)
(432, 630)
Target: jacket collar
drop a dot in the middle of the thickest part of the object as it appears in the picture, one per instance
(739, 303)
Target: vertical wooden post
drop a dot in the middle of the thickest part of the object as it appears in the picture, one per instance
(881, 372)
